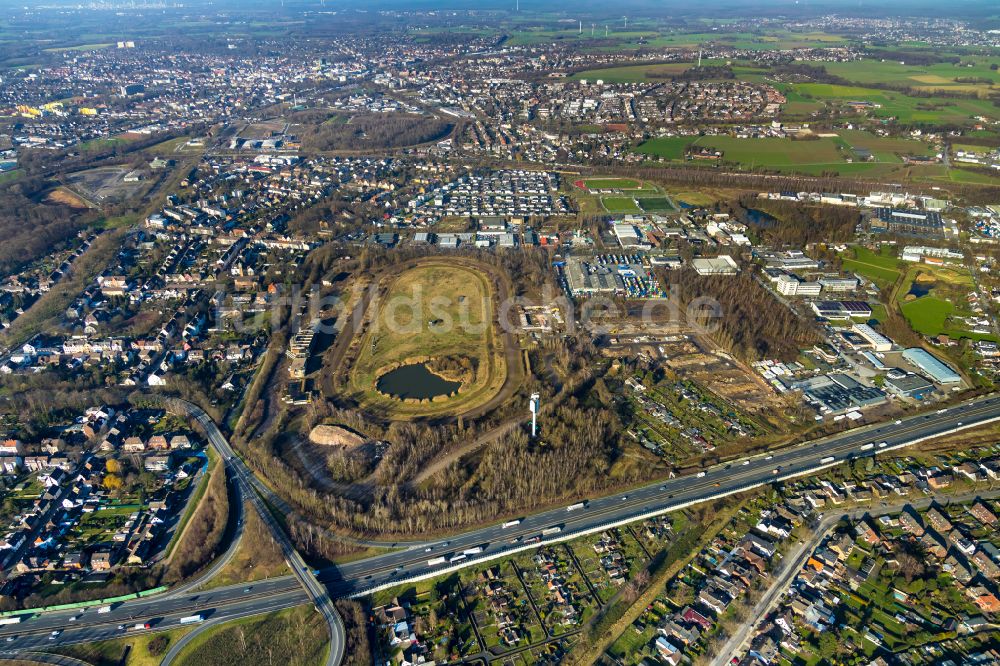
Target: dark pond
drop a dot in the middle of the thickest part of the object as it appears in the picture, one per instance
(919, 290)
(760, 218)
(683, 204)
(415, 381)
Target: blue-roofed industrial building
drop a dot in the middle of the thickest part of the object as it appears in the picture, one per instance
(929, 364)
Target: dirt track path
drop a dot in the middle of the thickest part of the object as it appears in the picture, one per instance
(470, 447)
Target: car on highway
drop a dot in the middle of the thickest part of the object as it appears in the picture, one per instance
(55, 634)
(701, 474)
(121, 627)
(746, 462)
(624, 497)
(74, 618)
(10, 639)
(899, 422)
(768, 457)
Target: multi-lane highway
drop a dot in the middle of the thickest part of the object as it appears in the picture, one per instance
(245, 480)
(598, 514)
(580, 517)
(159, 612)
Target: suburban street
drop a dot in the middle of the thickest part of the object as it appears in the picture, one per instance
(794, 560)
(412, 563)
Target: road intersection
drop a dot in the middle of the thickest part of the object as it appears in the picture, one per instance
(416, 561)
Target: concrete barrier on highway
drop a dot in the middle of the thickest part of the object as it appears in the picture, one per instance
(668, 508)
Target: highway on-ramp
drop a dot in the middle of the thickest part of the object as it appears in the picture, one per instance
(245, 479)
(580, 517)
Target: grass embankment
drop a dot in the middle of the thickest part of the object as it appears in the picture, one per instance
(138, 650)
(293, 637)
(194, 502)
(257, 557)
(199, 539)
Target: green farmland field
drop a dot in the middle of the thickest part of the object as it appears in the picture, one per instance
(632, 73)
(938, 76)
(931, 110)
(667, 147)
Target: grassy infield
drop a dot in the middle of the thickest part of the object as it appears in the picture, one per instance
(407, 328)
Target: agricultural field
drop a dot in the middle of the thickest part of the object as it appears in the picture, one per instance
(972, 75)
(437, 313)
(813, 156)
(774, 152)
(633, 73)
(885, 149)
(887, 104)
(667, 147)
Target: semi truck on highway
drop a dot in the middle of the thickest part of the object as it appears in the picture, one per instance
(458, 558)
(574, 507)
(475, 550)
(10, 620)
(139, 627)
(828, 459)
(510, 523)
(555, 529)
(868, 447)
(104, 609)
(436, 561)
(192, 619)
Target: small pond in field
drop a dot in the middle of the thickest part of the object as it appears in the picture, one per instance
(415, 381)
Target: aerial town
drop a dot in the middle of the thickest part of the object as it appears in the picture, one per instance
(520, 335)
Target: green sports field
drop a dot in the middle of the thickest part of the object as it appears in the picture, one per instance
(620, 205)
(614, 184)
